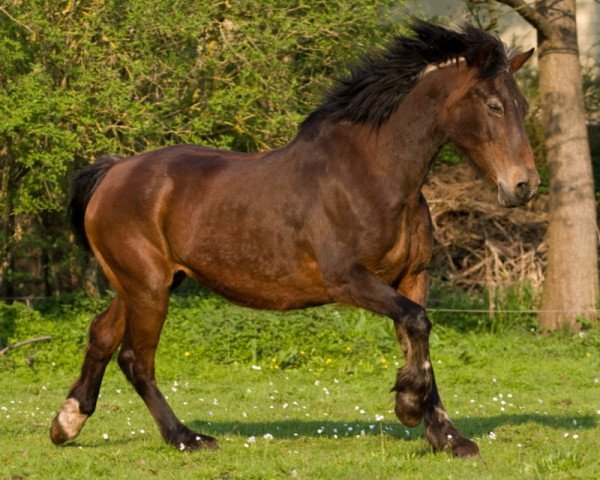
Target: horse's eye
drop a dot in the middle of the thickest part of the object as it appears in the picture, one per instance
(496, 108)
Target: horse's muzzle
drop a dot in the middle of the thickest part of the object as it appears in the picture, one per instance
(519, 193)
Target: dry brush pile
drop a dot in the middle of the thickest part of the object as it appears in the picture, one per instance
(479, 243)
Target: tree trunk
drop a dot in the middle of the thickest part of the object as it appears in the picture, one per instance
(571, 283)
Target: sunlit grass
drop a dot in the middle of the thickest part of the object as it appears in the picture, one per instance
(531, 402)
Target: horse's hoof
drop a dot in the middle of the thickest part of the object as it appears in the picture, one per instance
(189, 440)
(68, 422)
(464, 448)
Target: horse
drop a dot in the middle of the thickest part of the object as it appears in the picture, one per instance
(335, 216)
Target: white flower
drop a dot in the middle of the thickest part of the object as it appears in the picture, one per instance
(492, 435)
(575, 436)
(105, 436)
(181, 447)
(268, 436)
(379, 418)
(256, 367)
(251, 439)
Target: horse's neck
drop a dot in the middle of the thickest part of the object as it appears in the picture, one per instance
(397, 155)
(410, 139)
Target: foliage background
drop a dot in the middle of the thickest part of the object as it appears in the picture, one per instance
(83, 78)
(79, 79)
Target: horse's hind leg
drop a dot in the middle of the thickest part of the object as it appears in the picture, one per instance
(106, 333)
(146, 309)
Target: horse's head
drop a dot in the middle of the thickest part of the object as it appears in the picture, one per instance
(484, 116)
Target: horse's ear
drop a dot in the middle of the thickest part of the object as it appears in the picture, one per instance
(519, 59)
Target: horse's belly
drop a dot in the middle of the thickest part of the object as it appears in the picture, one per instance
(263, 286)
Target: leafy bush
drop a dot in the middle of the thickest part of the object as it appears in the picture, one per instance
(79, 79)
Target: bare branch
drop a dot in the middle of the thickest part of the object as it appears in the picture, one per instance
(3, 10)
(24, 342)
(531, 15)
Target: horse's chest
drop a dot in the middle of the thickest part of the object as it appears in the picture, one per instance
(396, 259)
(409, 250)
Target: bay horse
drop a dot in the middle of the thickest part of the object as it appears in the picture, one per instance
(337, 215)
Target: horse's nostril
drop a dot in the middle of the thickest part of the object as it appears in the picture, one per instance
(522, 189)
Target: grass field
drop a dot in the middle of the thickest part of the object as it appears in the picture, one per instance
(303, 395)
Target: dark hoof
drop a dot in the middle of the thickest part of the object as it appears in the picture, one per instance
(464, 448)
(409, 409)
(189, 440)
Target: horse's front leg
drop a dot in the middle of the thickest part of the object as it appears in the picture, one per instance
(417, 396)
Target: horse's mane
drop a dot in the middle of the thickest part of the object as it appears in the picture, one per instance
(376, 86)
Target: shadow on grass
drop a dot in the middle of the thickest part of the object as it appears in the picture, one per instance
(476, 426)
(470, 426)
(307, 429)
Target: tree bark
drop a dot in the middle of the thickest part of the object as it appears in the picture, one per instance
(571, 284)
(571, 281)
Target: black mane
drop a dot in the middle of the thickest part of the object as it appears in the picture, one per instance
(376, 86)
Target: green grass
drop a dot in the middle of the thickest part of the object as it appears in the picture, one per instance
(324, 372)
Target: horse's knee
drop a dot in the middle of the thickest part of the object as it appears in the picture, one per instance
(420, 326)
(415, 324)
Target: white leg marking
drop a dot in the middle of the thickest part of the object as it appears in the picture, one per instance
(70, 418)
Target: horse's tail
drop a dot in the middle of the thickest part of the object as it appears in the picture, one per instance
(84, 185)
